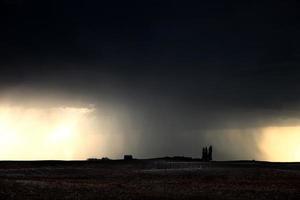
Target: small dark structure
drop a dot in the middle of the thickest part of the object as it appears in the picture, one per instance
(128, 157)
(207, 153)
(92, 159)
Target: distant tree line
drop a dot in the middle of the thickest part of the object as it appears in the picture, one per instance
(207, 153)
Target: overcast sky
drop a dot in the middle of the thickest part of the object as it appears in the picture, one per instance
(172, 75)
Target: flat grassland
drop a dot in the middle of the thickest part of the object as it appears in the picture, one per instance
(148, 179)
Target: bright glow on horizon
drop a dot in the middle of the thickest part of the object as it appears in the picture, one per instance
(45, 133)
(281, 143)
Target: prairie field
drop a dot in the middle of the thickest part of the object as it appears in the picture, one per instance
(148, 179)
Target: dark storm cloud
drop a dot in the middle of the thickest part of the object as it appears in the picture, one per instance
(181, 68)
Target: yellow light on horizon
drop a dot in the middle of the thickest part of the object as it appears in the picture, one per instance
(281, 143)
(42, 133)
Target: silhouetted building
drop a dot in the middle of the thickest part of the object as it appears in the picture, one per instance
(92, 159)
(128, 157)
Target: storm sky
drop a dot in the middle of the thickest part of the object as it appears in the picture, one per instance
(161, 77)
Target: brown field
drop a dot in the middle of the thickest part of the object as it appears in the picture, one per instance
(149, 179)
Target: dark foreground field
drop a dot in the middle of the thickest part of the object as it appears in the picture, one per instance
(149, 179)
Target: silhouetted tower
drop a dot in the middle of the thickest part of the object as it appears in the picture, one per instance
(210, 153)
